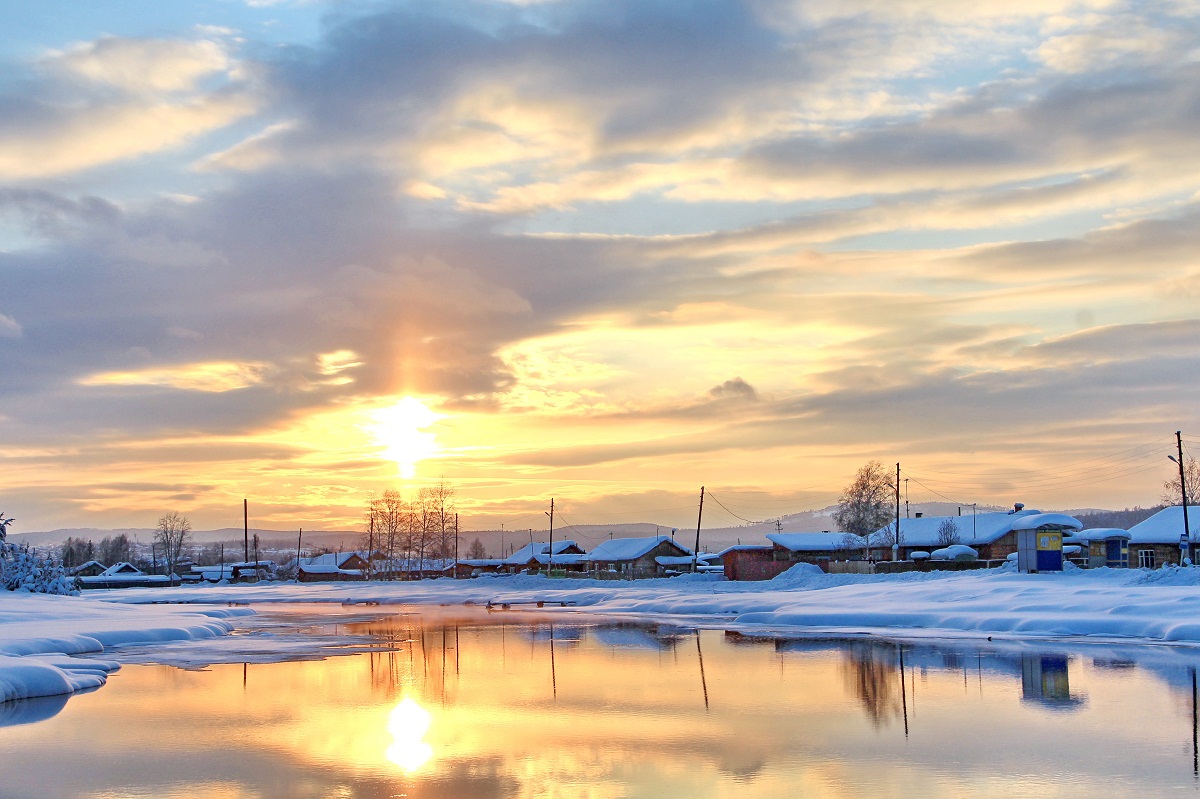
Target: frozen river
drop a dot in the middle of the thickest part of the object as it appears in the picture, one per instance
(459, 703)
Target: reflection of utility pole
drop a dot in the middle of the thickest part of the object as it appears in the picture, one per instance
(1195, 740)
(703, 681)
(553, 670)
(903, 692)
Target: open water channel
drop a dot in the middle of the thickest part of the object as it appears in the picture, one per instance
(468, 704)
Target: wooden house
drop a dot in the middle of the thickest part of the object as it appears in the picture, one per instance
(1157, 541)
(634, 557)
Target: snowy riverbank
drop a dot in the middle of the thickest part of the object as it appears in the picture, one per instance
(40, 634)
(37, 633)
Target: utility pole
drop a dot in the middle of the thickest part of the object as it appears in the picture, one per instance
(898, 543)
(246, 530)
(696, 551)
(907, 514)
(456, 546)
(550, 554)
(299, 538)
(1187, 530)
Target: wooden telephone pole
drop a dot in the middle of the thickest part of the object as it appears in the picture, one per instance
(696, 551)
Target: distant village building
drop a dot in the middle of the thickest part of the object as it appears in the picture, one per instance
(635, 557)
(125, 575)
(90, 569)
(333, 567)
(992, 535)
(536, 556)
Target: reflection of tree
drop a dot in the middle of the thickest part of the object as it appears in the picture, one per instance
(871, 673)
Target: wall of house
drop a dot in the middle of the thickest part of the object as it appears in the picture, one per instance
(753, 565)
(1163, 554)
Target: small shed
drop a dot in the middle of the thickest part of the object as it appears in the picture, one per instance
(1040, 541)
(92, 568)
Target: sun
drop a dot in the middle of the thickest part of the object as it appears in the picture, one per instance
(400, 430)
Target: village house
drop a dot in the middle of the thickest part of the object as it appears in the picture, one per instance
(125, 575)
(634, 558)
(1156, 541)
(90, 569)
(536, 555)
(333, 567)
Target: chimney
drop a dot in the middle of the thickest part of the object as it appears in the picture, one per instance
(919, 514)
(1017, 508)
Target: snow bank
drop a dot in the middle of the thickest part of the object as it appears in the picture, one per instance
(38, 632)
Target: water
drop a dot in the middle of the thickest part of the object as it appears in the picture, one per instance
(458, 704)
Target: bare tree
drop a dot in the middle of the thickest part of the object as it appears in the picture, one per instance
(1191, 473)
(865, 504)
(171, 536)
(115, 549)
(947, 533)
(438, 503)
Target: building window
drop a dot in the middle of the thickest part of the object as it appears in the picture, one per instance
(1146, 558)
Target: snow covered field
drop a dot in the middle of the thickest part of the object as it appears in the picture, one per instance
(39, 634)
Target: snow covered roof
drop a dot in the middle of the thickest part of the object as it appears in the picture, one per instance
(1037, 521)
(530, 551)
(336, 559)
(1166, 526)
(980, 528)
(743, 548)
(326, 568)
(1098, 534)
(88, 565)
(122, 569)
(561, 559)
(629, 548)
(674, 560)
(808, 542)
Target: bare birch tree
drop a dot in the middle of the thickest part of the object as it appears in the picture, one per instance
(172, 535)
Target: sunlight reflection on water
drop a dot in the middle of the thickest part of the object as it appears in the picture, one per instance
(408, 724)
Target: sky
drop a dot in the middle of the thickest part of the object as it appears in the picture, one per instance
(601, 251)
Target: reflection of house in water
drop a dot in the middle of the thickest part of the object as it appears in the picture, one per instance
(1045, 680)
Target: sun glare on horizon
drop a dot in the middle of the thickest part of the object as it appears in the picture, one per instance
(400, 429)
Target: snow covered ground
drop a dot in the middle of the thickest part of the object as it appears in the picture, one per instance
(40, 634)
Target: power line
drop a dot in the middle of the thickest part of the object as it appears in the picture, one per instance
(727, 510)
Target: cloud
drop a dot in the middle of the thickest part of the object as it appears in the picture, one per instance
(113, 99)
(737, 388)
(9, 327)
(143, 65)
(216, 377)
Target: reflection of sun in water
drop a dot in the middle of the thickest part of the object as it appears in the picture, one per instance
(408, 724)
(400, 429)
